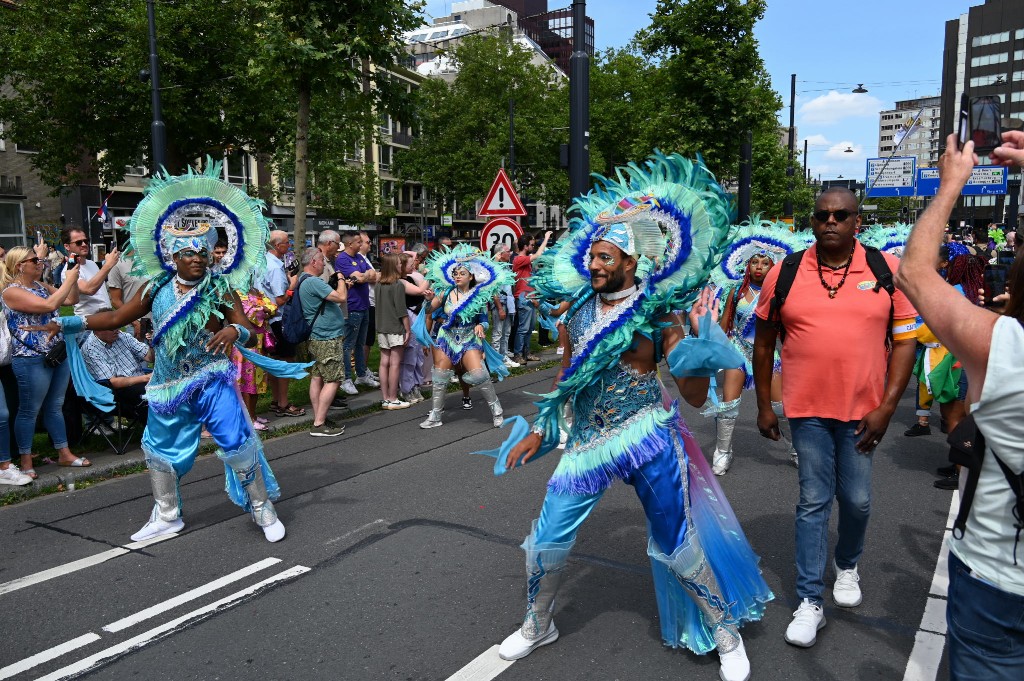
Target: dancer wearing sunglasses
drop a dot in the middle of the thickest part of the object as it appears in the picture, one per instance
(847, 354)
(198, 319)
(754, 250)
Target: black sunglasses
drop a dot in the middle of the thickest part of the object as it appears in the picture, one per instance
(34, 260)
(841, 214)
(80, 242)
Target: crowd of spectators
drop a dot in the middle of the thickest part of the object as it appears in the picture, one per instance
(349, 303)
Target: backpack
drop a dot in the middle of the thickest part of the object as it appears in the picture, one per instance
(876, 263)
(294, 326)
(968, 449)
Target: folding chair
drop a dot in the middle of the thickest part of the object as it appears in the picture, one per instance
(127, 421)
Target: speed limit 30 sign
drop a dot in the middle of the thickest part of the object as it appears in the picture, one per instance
(500, 231)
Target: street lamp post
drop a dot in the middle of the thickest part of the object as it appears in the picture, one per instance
(788, 208)
(158, 130)
(579, 103)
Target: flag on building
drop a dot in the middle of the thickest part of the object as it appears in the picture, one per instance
(103, 215)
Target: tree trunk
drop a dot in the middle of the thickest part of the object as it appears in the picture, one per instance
(301, 165)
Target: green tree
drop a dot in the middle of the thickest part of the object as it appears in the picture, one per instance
(464, 125)
(327, 49)
(72, 88)
(715, 84)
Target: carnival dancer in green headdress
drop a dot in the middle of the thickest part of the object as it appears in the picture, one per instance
(198, 320)
(639, 251)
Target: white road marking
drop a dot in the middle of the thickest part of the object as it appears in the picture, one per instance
(172, 603)
(47, 655)
(485, 667)
(77, 565)
(930, 639)
(163, 630)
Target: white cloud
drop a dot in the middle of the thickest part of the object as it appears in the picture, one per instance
(818, 141)
(835, 107)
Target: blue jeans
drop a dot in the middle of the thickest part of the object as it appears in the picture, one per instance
(40, 388)
(501, 329)
(985, 628)
(830, 467)
(355, 340)
(527, 318)
(5, 428)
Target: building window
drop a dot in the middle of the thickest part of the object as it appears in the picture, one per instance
(12, 224)
(385, 157)
(990, 39)
(3, 145)
(990, 59)
(982, 81)
(236, 168)
(25, 148)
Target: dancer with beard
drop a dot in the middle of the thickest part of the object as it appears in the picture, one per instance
(637, 251)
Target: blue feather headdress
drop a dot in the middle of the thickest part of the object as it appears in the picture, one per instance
(756, 237)
(891, 239)
(490, 276)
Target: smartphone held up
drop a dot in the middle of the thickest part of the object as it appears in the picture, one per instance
(980, 122)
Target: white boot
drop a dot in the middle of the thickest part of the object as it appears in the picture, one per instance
(722, 458)
(166, 515)
(158, 527)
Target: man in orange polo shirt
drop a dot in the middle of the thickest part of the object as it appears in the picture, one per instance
(840, 387)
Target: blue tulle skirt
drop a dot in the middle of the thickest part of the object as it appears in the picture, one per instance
(728, 552)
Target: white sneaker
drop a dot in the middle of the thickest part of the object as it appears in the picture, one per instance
(348, 387)
(846, 591)
(274, 532)
(734, 664)
(13, 476)
(720, 462)
(430, 422)
(560, 351)
(795, 458)
(510, 364)
(516, 646)
(395, 404)
(158, 528)
(807, 620)
(367, 379)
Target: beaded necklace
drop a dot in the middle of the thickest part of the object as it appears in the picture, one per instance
(833, 290)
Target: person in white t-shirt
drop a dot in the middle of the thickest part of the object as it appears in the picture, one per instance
(92, 280)
(986, 561)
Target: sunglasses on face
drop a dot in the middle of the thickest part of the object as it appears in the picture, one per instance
(189, 253)
(841, 215)
(34, 260)
(80, 242)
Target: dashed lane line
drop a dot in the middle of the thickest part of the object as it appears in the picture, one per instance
(47, 655)
(485, 667)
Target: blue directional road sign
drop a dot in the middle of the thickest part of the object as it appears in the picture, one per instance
(927, 182)
(986, 180)
(891, 177)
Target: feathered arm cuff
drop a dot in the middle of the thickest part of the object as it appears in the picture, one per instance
(705, 355)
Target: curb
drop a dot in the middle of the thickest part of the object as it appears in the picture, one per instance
(55, 479)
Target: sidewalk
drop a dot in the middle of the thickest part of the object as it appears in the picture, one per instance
(106, 464)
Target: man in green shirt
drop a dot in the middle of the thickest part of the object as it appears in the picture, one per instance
(321, 306)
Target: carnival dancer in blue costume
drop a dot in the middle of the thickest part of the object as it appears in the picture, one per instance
(754, 248)
(198, 320)
(639, 250)
(464, 280)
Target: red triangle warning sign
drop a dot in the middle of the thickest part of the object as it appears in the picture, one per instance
(502, 200)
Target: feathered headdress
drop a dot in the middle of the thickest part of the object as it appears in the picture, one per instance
(490, 276)
(890, 239)
(756, 237)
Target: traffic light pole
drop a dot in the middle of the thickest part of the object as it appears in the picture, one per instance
(158, 130)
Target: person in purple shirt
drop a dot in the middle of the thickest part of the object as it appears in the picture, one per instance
(360, 276)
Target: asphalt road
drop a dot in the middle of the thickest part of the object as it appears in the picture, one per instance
(402, 562)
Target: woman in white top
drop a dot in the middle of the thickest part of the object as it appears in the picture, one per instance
(985, 608)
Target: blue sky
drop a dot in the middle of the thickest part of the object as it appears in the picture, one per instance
(894, 48)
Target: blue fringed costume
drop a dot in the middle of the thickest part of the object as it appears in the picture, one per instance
(192, 385)
(458, 314)
(674, 219)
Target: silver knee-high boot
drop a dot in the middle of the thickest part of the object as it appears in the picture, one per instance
(482, 379)
(244, 462)
(786, 432)
(725, 424)
(690, 566)
(166, 515)
(440, 378)
(545, 564)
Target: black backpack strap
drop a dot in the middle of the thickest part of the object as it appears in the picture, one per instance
(787, 275)
(973, 473)
(1016, 483)
(883, 280)
(303, 277)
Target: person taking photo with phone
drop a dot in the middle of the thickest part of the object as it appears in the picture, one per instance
(42, 380)
(92, 279)
(986, 583)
